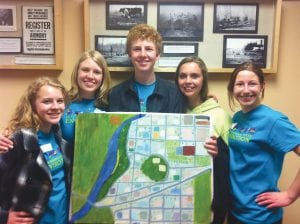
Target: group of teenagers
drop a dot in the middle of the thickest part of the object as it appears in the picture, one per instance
(42, 131)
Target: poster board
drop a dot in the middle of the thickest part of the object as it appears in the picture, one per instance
(141, 168)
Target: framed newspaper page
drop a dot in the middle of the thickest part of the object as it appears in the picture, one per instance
(38, 30)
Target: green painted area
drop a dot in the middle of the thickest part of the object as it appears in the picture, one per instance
(91, 148)
(202, 198)
(155, 167)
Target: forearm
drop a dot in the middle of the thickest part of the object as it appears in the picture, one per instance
(294, 190)
(283, 198)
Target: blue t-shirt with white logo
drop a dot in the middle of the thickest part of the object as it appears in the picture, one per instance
(67, 122)
(258, 141)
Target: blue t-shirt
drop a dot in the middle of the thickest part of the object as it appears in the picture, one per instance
(67, 123)
(144, 91)
(258, 142)
(57, 207)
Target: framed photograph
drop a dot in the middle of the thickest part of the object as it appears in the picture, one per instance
(8, 18)
(180, 21)
(113, 49)
(122, 16)
(10, 45)
(235, 18)
(240, 48)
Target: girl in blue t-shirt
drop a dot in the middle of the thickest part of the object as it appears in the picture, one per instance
(258, 140)
(90, 85)
(34, 128)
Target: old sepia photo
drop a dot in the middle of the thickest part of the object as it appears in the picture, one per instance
(8, 18)
(113, 49)
(240, 48)
(180, 21)
(235, 18)
(124, 15)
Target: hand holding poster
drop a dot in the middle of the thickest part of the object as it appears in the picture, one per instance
(38, 30)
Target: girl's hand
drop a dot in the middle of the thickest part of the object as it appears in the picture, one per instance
(274, 199)
(211, 146)
(5, 143)
(19, 217)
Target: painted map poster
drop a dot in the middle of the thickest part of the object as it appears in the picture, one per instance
(141, 168)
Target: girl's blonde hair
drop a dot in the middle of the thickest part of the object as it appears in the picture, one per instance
(103, 91)
(25, 115)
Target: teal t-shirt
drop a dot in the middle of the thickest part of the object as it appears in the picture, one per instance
(258, 142)
(67, 123)
(144, 91)
(57, 207)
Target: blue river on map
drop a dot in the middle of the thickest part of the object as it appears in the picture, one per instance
(106, 170)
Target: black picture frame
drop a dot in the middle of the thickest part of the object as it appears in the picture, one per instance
(235, 18)
(240, 48)
(113, 48)
(180, 21)
(124, 15)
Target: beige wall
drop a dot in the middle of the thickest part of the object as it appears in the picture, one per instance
(281, 92)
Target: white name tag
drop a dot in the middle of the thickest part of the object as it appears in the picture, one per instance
(46, 147)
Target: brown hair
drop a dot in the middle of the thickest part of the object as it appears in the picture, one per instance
(25, 115)
(248, 66)
(203, 68)
(144, 32)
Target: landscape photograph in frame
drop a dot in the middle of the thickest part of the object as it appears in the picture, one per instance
(235, 18)
(124, 15)
(180, 21)
(241, 48)
(113, 48)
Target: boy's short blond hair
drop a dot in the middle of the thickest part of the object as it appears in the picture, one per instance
(144, 32)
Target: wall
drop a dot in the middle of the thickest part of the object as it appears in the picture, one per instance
(281, 92)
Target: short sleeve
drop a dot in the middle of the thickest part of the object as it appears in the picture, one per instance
(284, 136)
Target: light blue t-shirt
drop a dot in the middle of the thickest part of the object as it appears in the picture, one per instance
(258, 142)
(144, 91)
(67, 123)
(57, 207)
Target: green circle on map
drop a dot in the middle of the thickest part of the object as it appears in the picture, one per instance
(155, 167)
